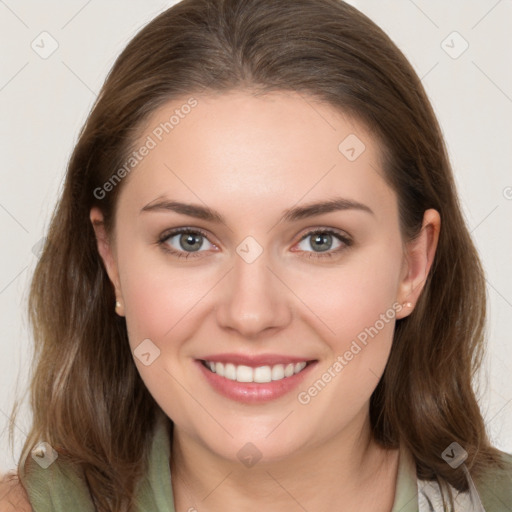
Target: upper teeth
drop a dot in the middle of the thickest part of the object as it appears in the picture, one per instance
(260, 374)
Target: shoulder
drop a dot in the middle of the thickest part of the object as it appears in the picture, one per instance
(13, 497)
(495, 485)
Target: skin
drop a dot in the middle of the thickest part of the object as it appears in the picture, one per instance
(13, 497)
(251, 158)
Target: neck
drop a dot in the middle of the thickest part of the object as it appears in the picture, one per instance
(349, 471)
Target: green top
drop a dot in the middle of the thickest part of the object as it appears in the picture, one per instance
(56, 490)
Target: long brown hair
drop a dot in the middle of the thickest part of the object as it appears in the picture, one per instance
(86, 389)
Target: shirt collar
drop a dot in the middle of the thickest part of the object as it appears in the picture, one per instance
(406, 490)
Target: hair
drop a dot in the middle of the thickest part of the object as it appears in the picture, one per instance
(85, 388)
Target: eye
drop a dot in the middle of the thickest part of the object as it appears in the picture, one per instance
(188, 242)
(324, 242)
(184, 242)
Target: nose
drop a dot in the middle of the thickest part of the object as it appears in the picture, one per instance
(253, 299)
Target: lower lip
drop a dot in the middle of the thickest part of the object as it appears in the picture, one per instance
(254, 392)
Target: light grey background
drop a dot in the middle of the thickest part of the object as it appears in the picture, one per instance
(44, 102)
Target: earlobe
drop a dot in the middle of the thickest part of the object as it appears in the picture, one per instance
(107, 254)
(419, 256)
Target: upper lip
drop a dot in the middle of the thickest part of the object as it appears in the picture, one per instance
(255, 360)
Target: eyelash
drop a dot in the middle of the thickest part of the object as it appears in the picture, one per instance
(195, 231)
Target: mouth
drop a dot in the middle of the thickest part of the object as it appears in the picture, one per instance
(254, 382)
(258, 374)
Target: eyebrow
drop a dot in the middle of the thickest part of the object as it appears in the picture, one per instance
(290, 215)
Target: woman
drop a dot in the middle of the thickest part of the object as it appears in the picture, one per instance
(263, 192)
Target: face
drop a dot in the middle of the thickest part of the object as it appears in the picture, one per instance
(293, 306)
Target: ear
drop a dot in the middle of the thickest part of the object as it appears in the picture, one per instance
(418, 257)
(106, 248)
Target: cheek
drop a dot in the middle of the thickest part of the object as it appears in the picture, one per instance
(157, 297)
(159, 303)
(354, 295)
(358, 304)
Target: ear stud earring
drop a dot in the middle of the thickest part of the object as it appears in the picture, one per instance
(407, 304)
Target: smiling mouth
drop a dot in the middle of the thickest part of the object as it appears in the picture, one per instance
(259, 374)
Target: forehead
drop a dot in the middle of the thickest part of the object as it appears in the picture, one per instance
(252, 151)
